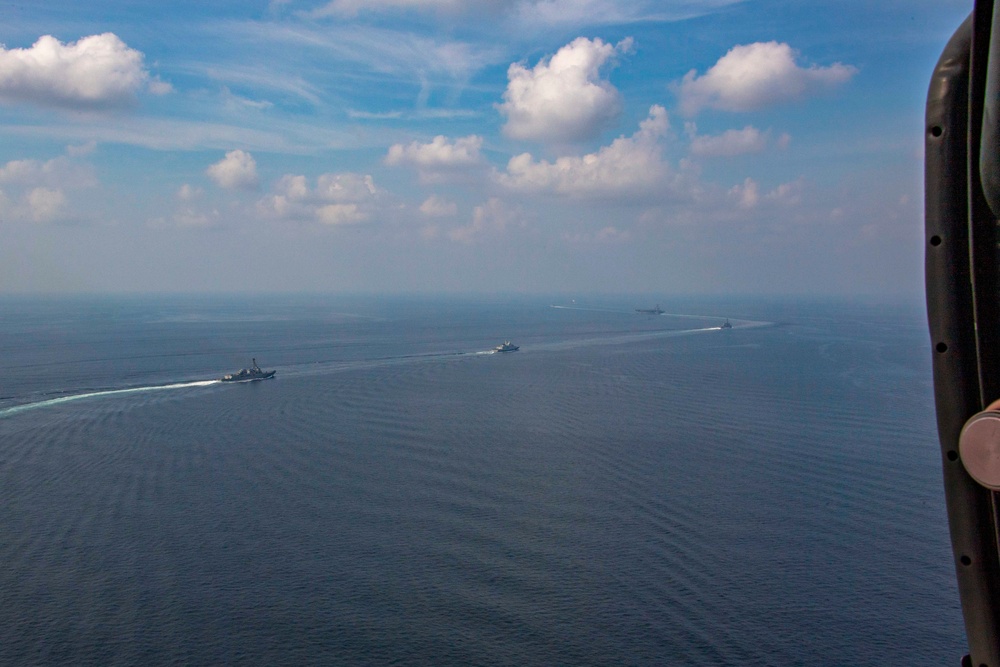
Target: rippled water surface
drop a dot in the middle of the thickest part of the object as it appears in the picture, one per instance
(626, 489)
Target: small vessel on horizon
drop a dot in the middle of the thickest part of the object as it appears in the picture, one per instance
(650, 311)
(249, 374)
(726, 324)
(506, 347)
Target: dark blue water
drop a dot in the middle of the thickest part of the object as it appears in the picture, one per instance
(625, 490)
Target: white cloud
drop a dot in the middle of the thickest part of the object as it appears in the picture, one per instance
(292, 186)
(787, 194)
(337, 199)
(436, 207)
(99, 71)
(439, 153)
(375, 49)
(747, 194)
(729, 143)
(340, 214)
(345, 187)
(564, 98)
(533, 14)
(440, 159)
(37, 190)
(237, 170)
(629, 165)
(60, 172)
(353, 7)
(754, 76)
(187, 192)
(159, 87)
(46, 204)
(493, 217)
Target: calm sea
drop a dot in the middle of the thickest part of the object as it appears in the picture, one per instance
(627, 489)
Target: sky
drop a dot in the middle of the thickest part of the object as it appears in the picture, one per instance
(707, 147)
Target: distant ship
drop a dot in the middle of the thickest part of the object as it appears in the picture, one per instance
(651, 311)
(249, 374)
(726, 325)
(506, 347)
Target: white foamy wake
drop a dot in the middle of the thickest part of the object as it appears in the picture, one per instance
(94, 394)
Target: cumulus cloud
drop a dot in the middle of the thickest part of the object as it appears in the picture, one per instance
(160, 87)
(438, 153)
(754, 76)
(492, 218)
(60, 172)
(729, 143)
(188, 193)
(340, 214)
(747, 195)
(345, 187)
(563, 99)
(99, 71)
(440, 159)
(629, 165)
(46, 204)
(38, 191)
(436, 207)
(237, 170)
(336, 199)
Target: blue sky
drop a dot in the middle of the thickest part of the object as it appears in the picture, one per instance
(577, 146)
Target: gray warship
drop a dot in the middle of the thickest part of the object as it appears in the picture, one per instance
(249, 374)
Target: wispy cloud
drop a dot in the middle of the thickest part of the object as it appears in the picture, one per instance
(729, 143)
(569, 13)
(378, 49)
(265, 78)
(284, 135)
(530, 14)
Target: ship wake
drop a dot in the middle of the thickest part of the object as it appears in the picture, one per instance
(49, 402)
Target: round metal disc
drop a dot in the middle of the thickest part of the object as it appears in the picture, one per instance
(979, 448)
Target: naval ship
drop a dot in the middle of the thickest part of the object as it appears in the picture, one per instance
(249, 374)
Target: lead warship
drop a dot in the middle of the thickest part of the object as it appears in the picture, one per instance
(249, 374)
(506, 347)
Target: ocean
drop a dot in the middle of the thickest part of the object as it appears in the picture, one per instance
(627, 489)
